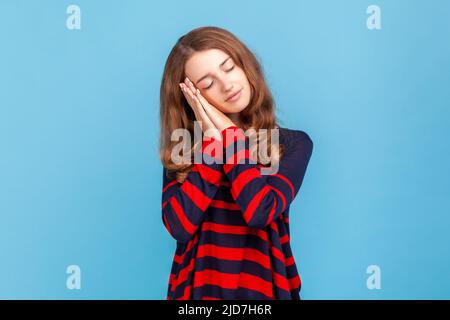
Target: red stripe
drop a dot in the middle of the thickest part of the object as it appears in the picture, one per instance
(274, 227)
(182, 274)
(222, 228)
(187, 225)
(224, 205)
(207, 173)
(179, 258)
(223, 280)
(169, 185)
(289, 261)
(196, 195)
(186, 292)
(254, 203)
(237, 230)
(295, 282)
(252, 282)
(232, 281)
(242, 179)
(288, 182)
(257, 256)
(284, 239)
(272, 211)
(281, 195)
(213, 148)
(280, 281)
(171, 279)
(277, 253)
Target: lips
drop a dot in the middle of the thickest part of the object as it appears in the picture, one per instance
(233, 95)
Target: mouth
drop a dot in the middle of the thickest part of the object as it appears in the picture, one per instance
(234, 96)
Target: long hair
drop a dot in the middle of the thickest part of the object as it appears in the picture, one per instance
(175, 112)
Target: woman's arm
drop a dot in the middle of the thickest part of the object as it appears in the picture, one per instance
(184, 204)
(262, 198)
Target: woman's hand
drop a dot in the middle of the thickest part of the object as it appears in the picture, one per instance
(220, 120)
(208, 126)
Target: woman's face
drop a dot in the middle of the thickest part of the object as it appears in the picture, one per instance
(218, 77)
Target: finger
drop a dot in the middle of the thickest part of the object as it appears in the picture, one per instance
(190, 100)
(187, 92)
(203, 101)
(201, 109)
(200, 97)
(195, 103)
(205, 106)
(183, 90)
(191, 86)
(187, 82)
(188, 87)
(202, 114)
(210, 110)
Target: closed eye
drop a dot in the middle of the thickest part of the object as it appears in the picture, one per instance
(213, 80)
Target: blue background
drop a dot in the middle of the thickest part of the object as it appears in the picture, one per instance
(80, 177)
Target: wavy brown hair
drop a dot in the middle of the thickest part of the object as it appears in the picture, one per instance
(175, 112)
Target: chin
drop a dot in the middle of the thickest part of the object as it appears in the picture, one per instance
(233, 109)
(242, 107)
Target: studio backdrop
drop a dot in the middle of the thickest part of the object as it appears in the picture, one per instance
(81, 177)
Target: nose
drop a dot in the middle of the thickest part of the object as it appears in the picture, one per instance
(227, 85)
(225, 82)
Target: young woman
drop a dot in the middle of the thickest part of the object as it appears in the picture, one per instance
(230, 220)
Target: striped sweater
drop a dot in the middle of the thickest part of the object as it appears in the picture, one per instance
(231, 222)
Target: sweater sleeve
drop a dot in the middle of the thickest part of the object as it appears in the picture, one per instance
(184, 204)
(263, 198)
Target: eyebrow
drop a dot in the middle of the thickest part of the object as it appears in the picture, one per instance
(208, 74)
